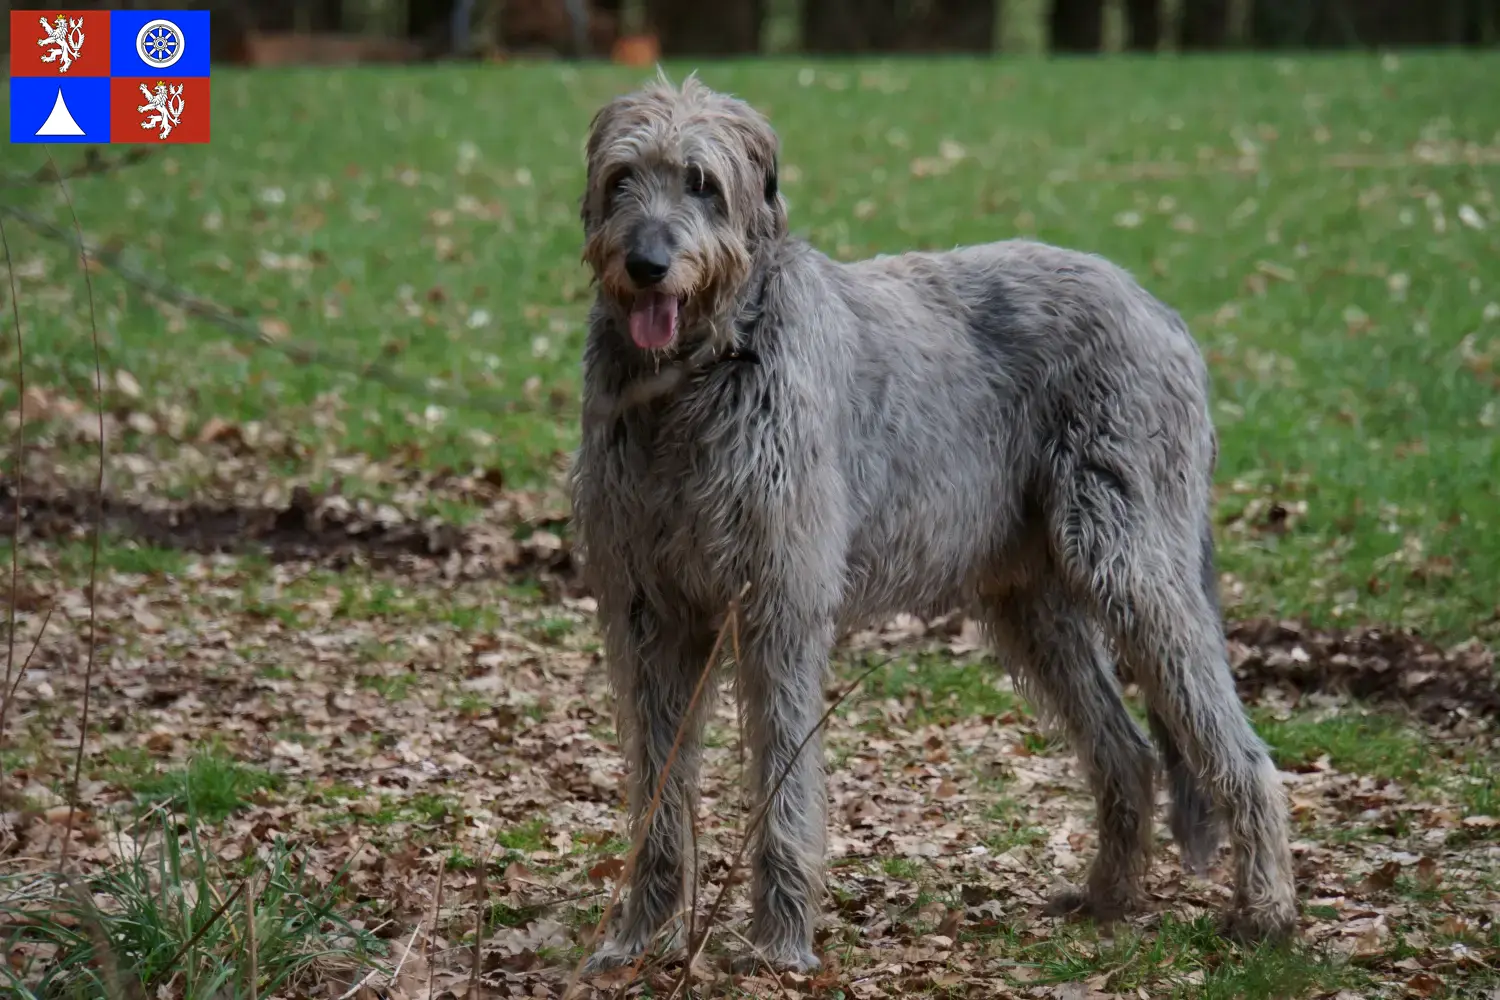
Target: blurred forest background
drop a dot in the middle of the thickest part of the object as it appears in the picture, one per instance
(268, 32)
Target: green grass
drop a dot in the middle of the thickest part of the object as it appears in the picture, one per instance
(526, 837)
(428, 216)
(117, 553)
(1378, 745)
(211, 786)
(1481, 789)
(942, 689)
(423, 808)
(156, 909)
(1179, 958)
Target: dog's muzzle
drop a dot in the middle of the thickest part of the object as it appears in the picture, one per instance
(653, 314)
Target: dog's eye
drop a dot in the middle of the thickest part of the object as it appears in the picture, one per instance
(699, 184)
(617, 181)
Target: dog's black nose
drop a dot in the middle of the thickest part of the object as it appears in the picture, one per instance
(647, 264)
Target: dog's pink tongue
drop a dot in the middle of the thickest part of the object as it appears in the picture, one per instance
(653, 320)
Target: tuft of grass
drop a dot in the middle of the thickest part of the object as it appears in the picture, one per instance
(1186, 959)
(211, 786)
(551, 629)
(1270, 973)
(391, 687)
(424, 808)
(529, 836)
(147, 926)
(1010, 829)
(902, 868)
(1377, 745)
(1481, 788)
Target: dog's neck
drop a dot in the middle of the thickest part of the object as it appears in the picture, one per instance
(644, 379)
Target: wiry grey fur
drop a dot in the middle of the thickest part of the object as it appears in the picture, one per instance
(1013, 428)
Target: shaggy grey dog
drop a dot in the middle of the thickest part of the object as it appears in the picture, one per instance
(1012, 428)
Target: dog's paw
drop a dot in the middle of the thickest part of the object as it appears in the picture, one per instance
(786, 960)
(608, 957)
(1091, 904)
(1249, 925)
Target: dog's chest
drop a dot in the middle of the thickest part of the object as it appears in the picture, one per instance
(685, 490)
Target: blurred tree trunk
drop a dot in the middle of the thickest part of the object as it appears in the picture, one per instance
(1479, 22)
(1407, 22)
(841, 27)
(271, 15)
(1205, 24)
(1143, 24)
(1076, 25)
(1301, 24)
(699, 28)
(429, 22)
(321, 15)
(957, 26)
(1351, 23)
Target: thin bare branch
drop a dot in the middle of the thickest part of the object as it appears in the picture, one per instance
(9, 694)
(246, 330)
(93, 164)
(88, 674)
(696, 948)
(661, 784)
(252, 974)
(15, 529)
(437, 911)
(116, 986)
(484, 865)
(213, 918)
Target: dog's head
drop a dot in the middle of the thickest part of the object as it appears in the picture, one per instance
(681, 196)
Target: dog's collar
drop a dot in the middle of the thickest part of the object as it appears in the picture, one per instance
(746, 321)
(738, 353)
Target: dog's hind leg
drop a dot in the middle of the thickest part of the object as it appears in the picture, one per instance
(1138, 554)
(654, 668)
(1195, 826)
(1056, 653)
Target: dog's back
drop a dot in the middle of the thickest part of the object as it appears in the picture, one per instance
(968, 370)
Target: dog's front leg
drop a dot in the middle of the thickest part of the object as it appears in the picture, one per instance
(780, 684)
(654, 667)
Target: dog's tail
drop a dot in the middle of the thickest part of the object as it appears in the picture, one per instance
(1194, 824)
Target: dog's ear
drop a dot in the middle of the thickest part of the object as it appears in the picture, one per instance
(775, 203)
(764, 151)
(600, 131)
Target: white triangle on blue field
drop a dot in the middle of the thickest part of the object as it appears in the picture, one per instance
(60, 121)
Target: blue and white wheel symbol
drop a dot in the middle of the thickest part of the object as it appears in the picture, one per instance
(160, 43)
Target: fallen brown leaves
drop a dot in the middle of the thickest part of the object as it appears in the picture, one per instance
(421, 717)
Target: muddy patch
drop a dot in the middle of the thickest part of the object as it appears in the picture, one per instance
(1371, 663)
(329, 530)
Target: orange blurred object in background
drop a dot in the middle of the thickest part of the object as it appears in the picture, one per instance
(636, 50)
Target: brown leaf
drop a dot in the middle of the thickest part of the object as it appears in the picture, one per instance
(609, 868)
(215, 428)
(1383, 877)
(1424, 984)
